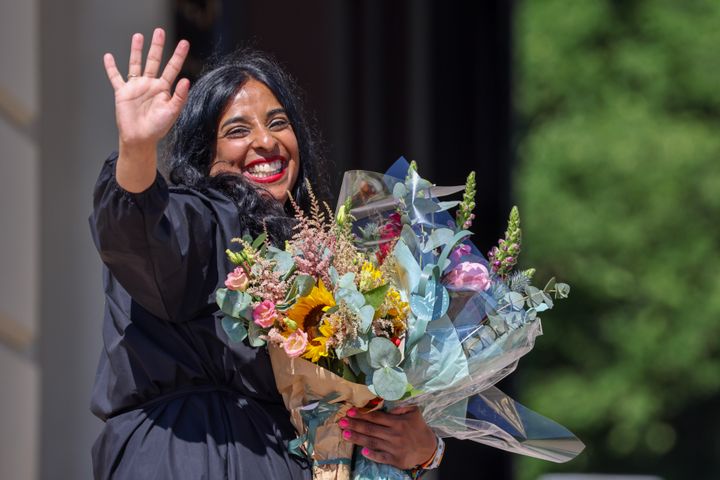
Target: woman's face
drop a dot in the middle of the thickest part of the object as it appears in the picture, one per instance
(255, 139)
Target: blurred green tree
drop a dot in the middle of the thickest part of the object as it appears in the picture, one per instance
(618, 108)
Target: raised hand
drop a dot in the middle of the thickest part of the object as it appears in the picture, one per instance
(145, 107)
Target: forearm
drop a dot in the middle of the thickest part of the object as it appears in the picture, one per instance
(136, 166)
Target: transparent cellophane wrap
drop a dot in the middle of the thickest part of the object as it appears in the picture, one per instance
(453, 360)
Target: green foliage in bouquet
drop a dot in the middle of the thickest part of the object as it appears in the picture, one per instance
(619, 184)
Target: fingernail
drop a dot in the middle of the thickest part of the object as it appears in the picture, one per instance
(343, 422)
(365, 451)
(346, 434)
(352, 412)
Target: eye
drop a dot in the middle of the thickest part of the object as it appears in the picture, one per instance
(237, 132)
(278, 124)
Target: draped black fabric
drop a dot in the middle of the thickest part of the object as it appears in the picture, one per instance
(178, 399)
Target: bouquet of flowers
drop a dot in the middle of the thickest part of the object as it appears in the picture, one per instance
(384, 303)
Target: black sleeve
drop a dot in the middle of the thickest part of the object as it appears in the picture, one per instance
(158, 244)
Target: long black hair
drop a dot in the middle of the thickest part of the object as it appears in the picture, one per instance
(192, 141)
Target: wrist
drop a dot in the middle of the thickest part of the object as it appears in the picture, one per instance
(136, 167)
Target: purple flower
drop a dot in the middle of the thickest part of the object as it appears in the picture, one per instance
(460, 252)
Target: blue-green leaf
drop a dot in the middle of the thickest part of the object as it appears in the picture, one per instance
(383, 353)
(365, 314)
(351, 347)
(515, 300)
(347, 281)
(233, 302)
(389, 383)
(234, 328)
(254, 332)
(305, 284)
(438, 238)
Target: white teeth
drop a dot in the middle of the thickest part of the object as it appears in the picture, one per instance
(266, 169)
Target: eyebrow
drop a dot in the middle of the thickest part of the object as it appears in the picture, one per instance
(240, 118)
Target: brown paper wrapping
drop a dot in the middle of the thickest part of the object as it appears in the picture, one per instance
(301, 382)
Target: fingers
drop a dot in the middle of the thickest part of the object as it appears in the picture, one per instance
(116, 80)
(181, 93)
(403, 410)
(365, 429)
(174, 65)
(378, 456)
(135, 65)
(154, 57)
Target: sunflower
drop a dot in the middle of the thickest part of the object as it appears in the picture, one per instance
(317, 347)
(308, 311)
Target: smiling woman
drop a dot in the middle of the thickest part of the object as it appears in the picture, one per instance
(178, 398)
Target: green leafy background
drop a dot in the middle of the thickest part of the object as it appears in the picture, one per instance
(618, 182)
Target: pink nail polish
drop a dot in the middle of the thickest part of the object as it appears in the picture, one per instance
(365, 451)
(343, 422)
(346, 434)
(352, 412)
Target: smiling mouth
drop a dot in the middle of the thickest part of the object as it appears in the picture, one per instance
(267, 170)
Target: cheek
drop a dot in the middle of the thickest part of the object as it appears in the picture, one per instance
(233, 152)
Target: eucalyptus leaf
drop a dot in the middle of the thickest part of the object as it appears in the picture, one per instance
(409, 271)
(399, 191)
(448, 205)
(254, 332)
(305, 284)
(235, 329)
(233, 302)
(334, 276)
(515, 300)
(438, 238)
(408, 236)
(562, 290)
(425, 206)
(347, 281)
(365, 314)
(352, 347)
(535, 296)
(352, 298)
(383, 353)
(389, 383)
(283, 260)
(498, 323)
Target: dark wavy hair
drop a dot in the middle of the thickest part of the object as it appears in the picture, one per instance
(190, 148)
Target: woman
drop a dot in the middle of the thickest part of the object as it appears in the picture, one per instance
(179, 400)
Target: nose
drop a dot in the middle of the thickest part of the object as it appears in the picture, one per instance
(264, 139)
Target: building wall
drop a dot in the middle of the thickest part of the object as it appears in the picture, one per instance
(56, 128)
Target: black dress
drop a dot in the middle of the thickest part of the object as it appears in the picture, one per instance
(179, 401)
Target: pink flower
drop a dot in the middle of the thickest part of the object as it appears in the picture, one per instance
(295, 343)
(469, 276)
(237, 280)
(265, 314)
(460, 252)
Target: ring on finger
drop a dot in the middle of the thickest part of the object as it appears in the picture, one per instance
(132, 75)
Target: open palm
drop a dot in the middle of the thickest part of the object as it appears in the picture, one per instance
(145, 106)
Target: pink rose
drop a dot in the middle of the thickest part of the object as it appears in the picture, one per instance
(265, 314)
(460, 252)
(295, 343)
(237, 280)
(469, 276)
